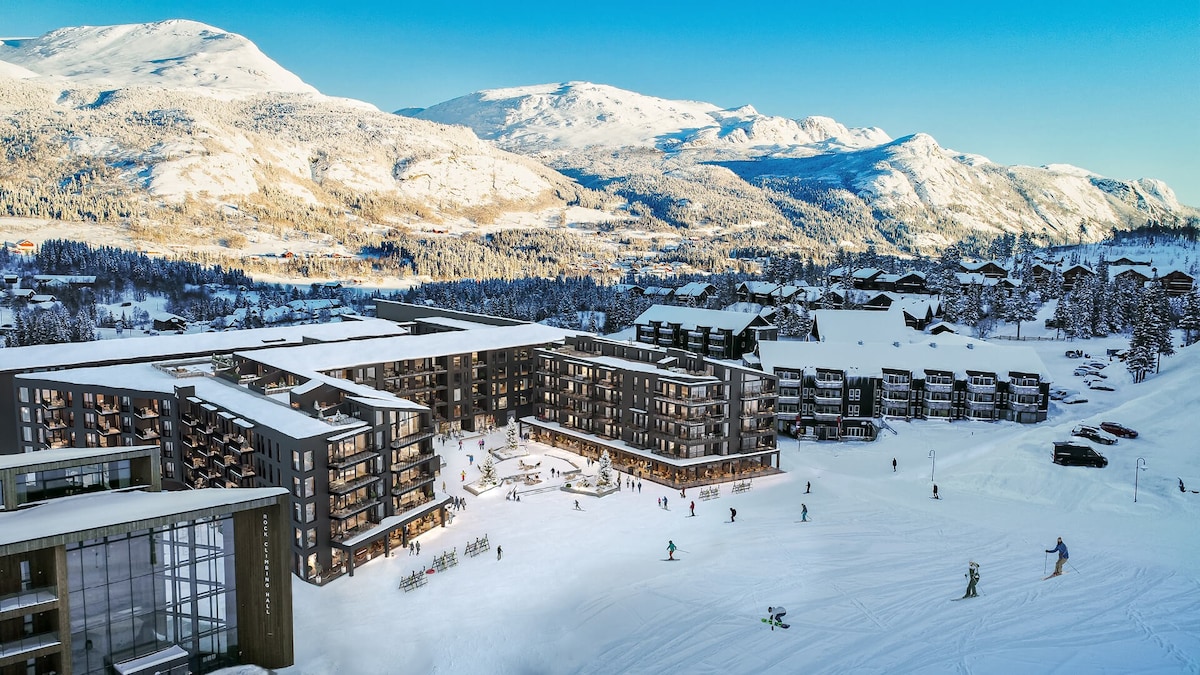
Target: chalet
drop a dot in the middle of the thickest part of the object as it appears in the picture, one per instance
(910, 282)
(761, 292)
(696, 292)
(11, 279)
(865, 279)
(708, 332)
(1041, 273)
(988, 268)
(1125, 261)
(1074, 273)
(944, 327)
(1176, 282)
(659, 292)
(23, 247)
(168, 322)
(52, 280)
(22, 294)
(1136, 274)
(628, 289)
(858, 325)
(918, 310)
(42, 299)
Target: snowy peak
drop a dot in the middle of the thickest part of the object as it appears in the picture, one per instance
(575, 115)
(175, 54)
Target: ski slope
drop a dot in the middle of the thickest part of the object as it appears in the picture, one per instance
(868, 583)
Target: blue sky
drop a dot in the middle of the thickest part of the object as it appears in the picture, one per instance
(1112, 87)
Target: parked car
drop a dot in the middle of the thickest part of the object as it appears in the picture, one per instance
(1098, 385)
(1098, 365)
(1067, 453)
(1059, 393)
(1118, 430)
(1094, 434)
(1074, 397)
(1074, 353)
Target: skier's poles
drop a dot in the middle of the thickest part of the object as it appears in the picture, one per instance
(1072, 566)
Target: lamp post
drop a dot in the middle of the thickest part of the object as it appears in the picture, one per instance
(1139, 464)
(933, 456)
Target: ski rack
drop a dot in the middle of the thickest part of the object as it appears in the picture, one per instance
(710, 493)
(743, 486)
(478, 546)
(413, 581)
(446, 560)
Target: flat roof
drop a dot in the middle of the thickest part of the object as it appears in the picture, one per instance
(38, 357)
(74, 517)
(385, 350)
(942, 352)
(35, 459)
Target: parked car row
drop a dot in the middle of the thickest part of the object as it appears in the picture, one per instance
(1072, 453)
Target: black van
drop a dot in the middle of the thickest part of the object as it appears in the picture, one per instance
(1067, 453)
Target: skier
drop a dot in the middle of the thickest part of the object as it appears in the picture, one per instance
(935, 494)
(481, 444)
(470, 460)
(893, 465)
(804, 513)
(639, 487)
(1181, 488)
(973, 578)
(577, 505)
(665, 503)
(670, 550)
(1061, 549)
(732, 515)
(660, 502)
(807, 487)
(499, 552)
(777, 614)
(463, 476)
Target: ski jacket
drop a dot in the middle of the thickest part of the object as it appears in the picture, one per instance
(671, 547)
(1061, 549)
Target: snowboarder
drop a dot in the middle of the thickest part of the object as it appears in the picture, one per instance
(935, 494)
(807, 487)
(577, 505)
(804, 513)
(499, 552)
(777, 614)
(692, 508)
(732, 515)
(670, 550)
(973, 578)
(1061, 549)
(893, 465)
(1181, 488)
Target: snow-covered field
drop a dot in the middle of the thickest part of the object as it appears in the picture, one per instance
(868, 583)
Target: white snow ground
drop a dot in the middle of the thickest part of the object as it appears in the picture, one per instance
(868, 583)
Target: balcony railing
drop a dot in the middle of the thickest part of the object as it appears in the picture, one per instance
(348, 510)
(1033, 388)
(981, 387)
(409, 461)
(934, 385)
(1023, 407)
(938, 404)
(341, 487)
(144, 413)
(411, 484)
(338, 462)
(897, 386)
(827, 383)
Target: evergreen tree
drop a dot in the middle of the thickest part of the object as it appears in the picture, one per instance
(487, 471)
(1189, 321)
(510, 440)
(1021, 307)
(605, 476)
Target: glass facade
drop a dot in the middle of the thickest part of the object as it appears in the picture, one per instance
(53, 483)
(135, 594)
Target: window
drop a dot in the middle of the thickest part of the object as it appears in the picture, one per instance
(295, 460)
(297, 487)
(310, 512)
(308, 460)
(310, 538)
(852, 411)
(25, 416)
(23, 396)
(310, 486)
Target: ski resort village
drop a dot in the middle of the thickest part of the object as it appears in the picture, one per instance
(564, 378)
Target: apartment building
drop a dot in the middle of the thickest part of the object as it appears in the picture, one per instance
(664, 414)
(837, 391)
(101, 573)
(708, 332)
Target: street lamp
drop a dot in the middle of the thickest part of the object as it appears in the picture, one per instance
(933, 456)
(1139, 464)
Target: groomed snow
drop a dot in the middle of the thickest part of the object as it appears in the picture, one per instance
(868, 582)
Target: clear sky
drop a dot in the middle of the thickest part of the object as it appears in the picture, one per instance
(1113, 87)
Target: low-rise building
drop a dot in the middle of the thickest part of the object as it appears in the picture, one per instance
(708, 332)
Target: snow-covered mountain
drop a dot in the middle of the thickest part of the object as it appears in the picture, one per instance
(839, 184)
(156, 121)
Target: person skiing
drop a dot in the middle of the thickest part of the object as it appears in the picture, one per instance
(935, 494)
(1181, 488)
(665, 503)
(577, 505)
(973, 578)
(893, 465)
(732, 515)
(1061, 549)
(692, 507)
(807, 487)
(670, 550)
(804, 513)
(777, 614)
(499, 552)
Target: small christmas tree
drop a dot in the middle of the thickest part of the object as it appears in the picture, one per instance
(512, 436)
(605, 478)
(488, 472)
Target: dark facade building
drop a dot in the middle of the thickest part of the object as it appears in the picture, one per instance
(667, 415)
(708, 332)
(101, 574)
(839, 391)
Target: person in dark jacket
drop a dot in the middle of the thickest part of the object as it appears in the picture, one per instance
(732, 515)
(1061, 549)
(973, 578)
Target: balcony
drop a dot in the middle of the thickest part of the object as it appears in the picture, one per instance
(106, 408)
(402, 441)
(980, 405)
(830, 383)
(939, 385)
(341, 487)
(56, 403)
(411, 484)
(339, 462)
(982, 387)
(1027, 387)
(147, 434)
(896, 396)
(350, 509)
(897, 386)
(1024, 407)
(145, 413)
(937, 404)
(828, 396)
(826, 414)
(241, 471)
(55, 423)
(108, 429)
(409, 461)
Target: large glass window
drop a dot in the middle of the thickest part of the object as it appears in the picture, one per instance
(132, 595)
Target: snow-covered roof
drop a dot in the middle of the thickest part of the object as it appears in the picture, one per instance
(67, 454)
(976, 265)
(944, 352)
(310, 358)
(167, 317)
(688, 318)
(853, 325)
(694, 289)
(450, 322)
(76, 515)
(38, 357)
